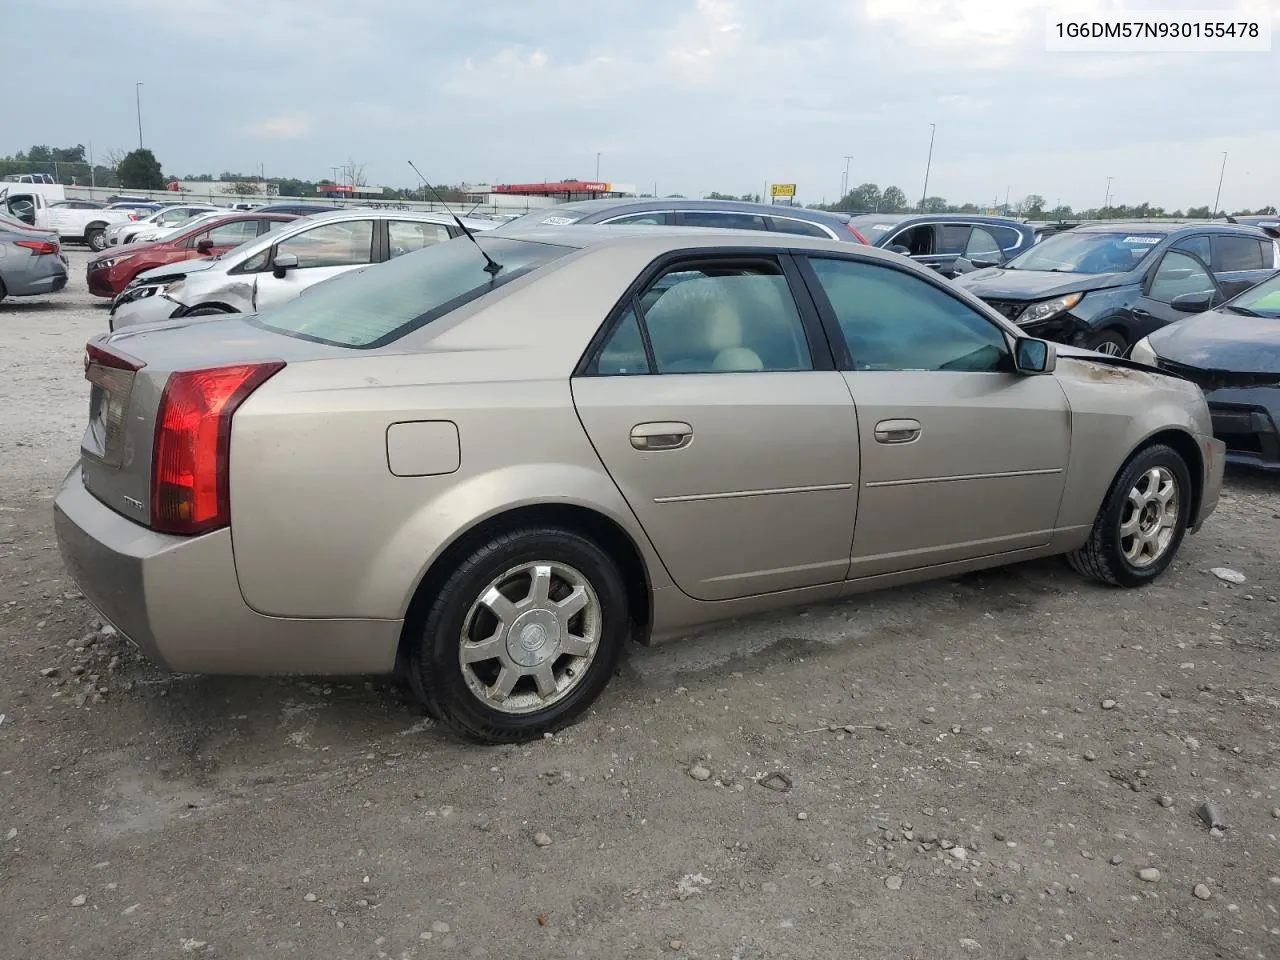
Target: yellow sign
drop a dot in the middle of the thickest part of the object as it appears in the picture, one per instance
(782, 189)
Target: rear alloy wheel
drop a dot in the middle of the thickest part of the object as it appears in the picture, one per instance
(97, 239)
(1142, 521)
(522, 636)
(1110, 342)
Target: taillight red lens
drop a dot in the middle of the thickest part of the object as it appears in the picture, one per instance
(190, 463)
(856, 235)
(39, 246)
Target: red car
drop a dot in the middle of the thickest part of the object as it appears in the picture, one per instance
(113, 269)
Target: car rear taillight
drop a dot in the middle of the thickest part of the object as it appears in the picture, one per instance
(40, 247)
(191, 456)
(856, 235)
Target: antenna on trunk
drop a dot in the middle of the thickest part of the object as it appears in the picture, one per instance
(491, 266)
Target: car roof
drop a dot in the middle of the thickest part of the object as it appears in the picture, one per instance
(372, 213)
(607, 205)
(663, 238)
(1145, 226)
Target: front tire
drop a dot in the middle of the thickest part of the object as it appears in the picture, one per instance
(206, 312)
(1110, 342)
(522, 636)
(1142, 521)
(97, 239)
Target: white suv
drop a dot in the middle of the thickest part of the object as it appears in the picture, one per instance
(276, 267)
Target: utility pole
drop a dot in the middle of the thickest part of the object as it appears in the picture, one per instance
(844, 184)
(927, 165)
(137, 99)
(1218, 196)
(1106, 201)
(93, 183)
(1006, 200)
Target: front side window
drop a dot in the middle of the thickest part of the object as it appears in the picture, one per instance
(331, 244)
(918, 240)
(1179, 274)
(1007, 237)
(711, 317)
(653, 218)
(231, 234)
(406, 236)
(721, 220)
(1236, 253)
(893, 320)
(1199, 245)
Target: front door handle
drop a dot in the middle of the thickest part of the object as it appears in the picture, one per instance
(1139, 312)
(665, 435)
(897, 431)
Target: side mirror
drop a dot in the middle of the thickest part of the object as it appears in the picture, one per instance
(1031, 356)
(980, 263)
(899, 248)
(1193, 302)
(283, 263)
(204, 246)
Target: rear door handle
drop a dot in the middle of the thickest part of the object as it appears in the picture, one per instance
(664, 435)
(897, 431)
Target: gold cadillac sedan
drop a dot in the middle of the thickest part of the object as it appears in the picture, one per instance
(494, 461)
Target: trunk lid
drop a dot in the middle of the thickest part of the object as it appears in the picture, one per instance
(128, 370)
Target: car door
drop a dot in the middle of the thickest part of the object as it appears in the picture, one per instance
(714, 405)
(323, 251)
(1240, 262)
(961, 457)
(1178, 273)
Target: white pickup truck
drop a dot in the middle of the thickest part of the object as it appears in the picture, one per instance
(47, 208)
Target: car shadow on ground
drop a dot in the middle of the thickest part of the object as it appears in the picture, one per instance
(28, 306)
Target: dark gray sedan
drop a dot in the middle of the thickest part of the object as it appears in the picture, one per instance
(31, 261)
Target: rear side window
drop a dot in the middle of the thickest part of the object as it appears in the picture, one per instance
(1237, 253)
(710, 317)
(383, 303)
(802, 227)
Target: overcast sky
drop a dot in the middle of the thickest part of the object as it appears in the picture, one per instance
(693, 95)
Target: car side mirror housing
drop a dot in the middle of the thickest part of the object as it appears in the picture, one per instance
(205, 245)
(283, 263)
(1032, 356)
(1193, 302)
(979, 263)
(899, 248)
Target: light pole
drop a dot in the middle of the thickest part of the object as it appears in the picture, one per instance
(1106, 200)
(1222, 173)
(844, 184)
(597, 166)
(927, 164)
(137, 99)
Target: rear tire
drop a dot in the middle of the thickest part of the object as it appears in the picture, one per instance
(207, 312)
(96, 238)
(521, 637)
(1142, 521)
(1110, 342)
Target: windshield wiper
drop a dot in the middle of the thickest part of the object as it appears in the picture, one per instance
(491, 266)
(1242, 311)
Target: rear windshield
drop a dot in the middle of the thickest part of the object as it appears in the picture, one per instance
(873, 227)
(381, 303)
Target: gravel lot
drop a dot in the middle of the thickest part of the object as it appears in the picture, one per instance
(980, 767)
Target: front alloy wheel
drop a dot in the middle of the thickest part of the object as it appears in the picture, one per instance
(1142, 521)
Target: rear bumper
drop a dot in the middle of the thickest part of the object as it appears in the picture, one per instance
(37, 276)
(178, 601)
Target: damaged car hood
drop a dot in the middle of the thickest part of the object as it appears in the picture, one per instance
(998, 283)
(175, 272)
(1223, 342)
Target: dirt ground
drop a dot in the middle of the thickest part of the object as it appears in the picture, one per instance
(978, 767)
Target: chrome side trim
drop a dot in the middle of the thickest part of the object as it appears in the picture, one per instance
(738, 494)
(968, 476)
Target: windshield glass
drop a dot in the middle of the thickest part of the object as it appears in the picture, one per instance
(379, 304)
(872, 227)
(1264, 299)
(1074, 252)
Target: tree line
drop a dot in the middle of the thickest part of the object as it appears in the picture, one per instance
(869, 198)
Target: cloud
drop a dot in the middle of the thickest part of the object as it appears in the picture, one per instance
(292, 126)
